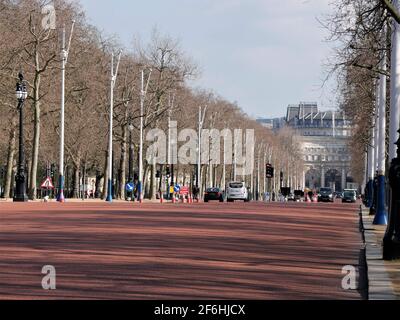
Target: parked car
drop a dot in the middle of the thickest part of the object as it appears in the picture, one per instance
(349, 196)
(237, 191)
(326, 195)
(291, 197)
(214, 194)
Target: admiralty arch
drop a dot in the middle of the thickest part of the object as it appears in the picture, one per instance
(323, 137)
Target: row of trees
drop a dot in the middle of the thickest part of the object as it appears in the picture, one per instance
(30, 47)
(362, 29)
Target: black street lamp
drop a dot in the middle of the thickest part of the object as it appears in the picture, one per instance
(391, 241)
(21, 94)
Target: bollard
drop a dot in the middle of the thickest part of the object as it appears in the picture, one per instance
(381, 213)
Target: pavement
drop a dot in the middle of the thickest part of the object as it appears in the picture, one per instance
(384, 276)
(290, 251)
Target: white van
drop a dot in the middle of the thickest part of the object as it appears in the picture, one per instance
(237, 191)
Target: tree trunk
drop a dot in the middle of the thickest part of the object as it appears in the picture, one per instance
(76, 181)
(184, 177)
(105, 175)
(36, 139)
(153, 182)
(10, 162)
(146, 188)
(28, 171)
(97, 187)
(14, 172)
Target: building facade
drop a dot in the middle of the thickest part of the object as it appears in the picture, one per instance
(323, 138)
(273, 124)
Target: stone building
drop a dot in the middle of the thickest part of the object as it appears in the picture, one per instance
(323, 137)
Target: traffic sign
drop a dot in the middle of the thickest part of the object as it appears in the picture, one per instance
(47, 184)
(184, 191)
(177, 188)
(130, 187)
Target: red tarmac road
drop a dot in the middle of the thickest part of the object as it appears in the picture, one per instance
(200, 251)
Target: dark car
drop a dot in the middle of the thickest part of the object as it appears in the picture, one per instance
(214, 194)
(326, 195)
(339, 195)
(298, 195)
(349, 196)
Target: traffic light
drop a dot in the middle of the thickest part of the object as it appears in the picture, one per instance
(52, 170)
(168, 172)
(270, 171)
(281, 176)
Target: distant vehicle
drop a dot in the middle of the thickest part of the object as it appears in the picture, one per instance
(349, 196)
(298, 195)
(237, 191)
(291, 197)
(286, 192)
(326, 195)
(339, 195)
(214, 194)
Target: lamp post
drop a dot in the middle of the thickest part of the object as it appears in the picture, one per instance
(130, 157)
(173, 146)
(202, 115)
(64, 60)
(381, 213)
(391, 241)
(371, 169)
(21, 94)
(110, 137)
(394, 86)
(143, 93)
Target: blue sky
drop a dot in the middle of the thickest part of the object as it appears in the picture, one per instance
(264, 54)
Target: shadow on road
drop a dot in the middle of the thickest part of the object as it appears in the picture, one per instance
(363, 282)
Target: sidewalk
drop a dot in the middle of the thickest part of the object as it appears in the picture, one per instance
(384, 276)
(95, 201)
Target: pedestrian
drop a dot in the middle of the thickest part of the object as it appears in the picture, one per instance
(196, 192)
